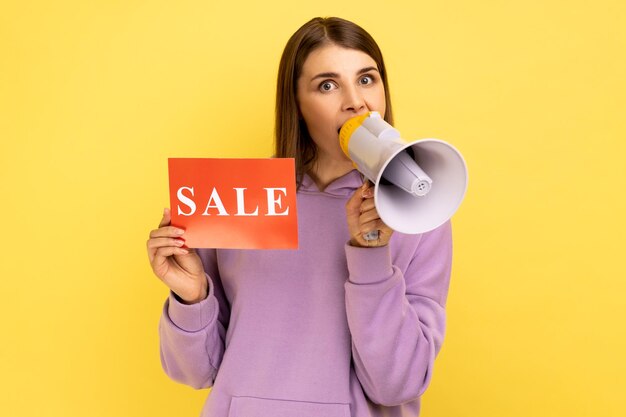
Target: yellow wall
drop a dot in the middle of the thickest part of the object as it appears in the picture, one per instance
(95, 95)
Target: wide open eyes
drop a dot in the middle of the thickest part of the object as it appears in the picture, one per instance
(327, 85)
(366, 80)
(330, 85)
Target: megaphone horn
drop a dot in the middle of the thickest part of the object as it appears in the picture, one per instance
(418, 185)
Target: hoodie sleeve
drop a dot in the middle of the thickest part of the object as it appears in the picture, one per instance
(192, 336)
(396, 313)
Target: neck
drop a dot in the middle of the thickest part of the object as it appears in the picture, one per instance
(326, 170)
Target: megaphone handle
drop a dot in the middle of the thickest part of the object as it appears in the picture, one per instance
(373, 235)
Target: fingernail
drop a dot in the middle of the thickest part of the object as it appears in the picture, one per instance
(367, 193)
(179, 231)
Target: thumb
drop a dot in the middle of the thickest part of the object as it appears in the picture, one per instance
(167, 217)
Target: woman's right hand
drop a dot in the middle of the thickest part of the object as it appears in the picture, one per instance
(177, 266)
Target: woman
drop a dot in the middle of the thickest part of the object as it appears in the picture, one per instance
(340, 327)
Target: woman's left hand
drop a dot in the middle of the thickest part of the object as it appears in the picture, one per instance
(363, 218)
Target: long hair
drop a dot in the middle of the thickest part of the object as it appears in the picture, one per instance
(292, 139)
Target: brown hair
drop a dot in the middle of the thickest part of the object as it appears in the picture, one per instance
(292, 137)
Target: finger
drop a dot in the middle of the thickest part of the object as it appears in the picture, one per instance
(368, 191)
(167, 217)
(153, 244)
(190, 262)
(376, 224)
(161, 254)
(354, 203)
(166, 251)
(151, 251)
(159, 242)
(167, 231)
(368, 216)
(367, 205)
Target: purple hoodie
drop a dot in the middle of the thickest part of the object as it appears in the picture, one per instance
(327, 330)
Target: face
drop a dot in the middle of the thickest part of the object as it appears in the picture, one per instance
(336, 84)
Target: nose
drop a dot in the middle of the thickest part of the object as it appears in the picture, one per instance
(353, 101)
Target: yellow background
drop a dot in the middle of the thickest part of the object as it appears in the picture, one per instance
(95, 95)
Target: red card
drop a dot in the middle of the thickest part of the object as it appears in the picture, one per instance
(235, 203)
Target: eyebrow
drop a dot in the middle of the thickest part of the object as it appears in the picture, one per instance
(335, 75)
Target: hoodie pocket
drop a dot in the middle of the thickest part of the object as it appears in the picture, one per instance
(263, 407)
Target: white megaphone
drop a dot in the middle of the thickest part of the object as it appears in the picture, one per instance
(419, 185)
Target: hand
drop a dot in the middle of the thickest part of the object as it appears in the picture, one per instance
(363, 218)
(177, 266)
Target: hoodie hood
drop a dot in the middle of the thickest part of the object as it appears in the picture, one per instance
(343, 186)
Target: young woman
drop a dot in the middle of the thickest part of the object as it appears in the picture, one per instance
(340, 327)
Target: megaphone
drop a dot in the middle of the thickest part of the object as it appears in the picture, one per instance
(419, 184)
